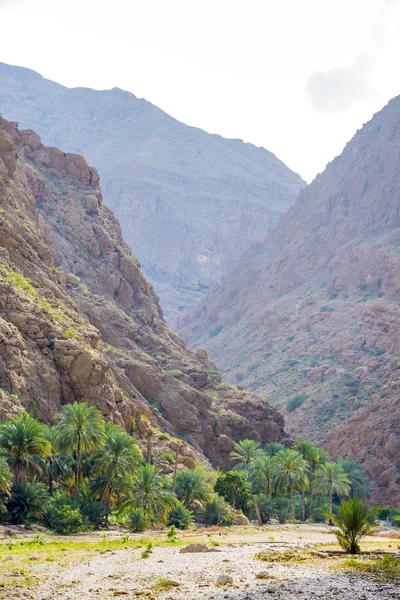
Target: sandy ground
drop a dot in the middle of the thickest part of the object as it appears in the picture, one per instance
(124, 573)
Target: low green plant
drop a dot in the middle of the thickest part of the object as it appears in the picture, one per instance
(385, 569)
(63, 518)
(137, 520)
(296, 401)
(354, 521)
(180, 516)
(21, 282)
(69, 333)
(171, 534)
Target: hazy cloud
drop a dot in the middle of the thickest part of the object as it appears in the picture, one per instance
(10, 3)
(337, 89)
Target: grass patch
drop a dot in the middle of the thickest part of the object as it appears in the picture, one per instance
(69, 333)
(383, 569)
(174, 373)
(21, 282)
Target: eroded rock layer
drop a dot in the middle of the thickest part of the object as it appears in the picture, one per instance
(78, 321)
(310, 318)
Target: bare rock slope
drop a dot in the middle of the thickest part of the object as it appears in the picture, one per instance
(310, 318)
(78, 320)
(189, 203)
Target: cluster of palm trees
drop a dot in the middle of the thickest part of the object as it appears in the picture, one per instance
(80, 471)
(84, 464)
(276, 473)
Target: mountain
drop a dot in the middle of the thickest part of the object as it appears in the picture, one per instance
(78, 320)
(189, 203)
(310, 317)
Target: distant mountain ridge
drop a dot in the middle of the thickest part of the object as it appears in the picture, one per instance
(190, 203)
(310, 317)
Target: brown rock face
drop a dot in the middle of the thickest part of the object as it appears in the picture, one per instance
(311, 315)
(78, 321)
(189, 203)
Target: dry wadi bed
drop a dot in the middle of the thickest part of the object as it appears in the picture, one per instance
(96, 567)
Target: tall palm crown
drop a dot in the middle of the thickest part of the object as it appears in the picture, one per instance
(191, 486)
(56, 464)
(311, 455)
(150, 493)
(244, 453)
(330, 478)
(119, 458)
(23, 442)
(291, 472)
(264, 469)
(80, 429)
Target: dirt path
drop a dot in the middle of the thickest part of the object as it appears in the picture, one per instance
(124, 573)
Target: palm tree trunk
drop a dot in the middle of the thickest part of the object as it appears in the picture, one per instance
(18, 472)
(330, 504)
(149, 446)
(303, 505)
(292, 503)
(175, 469)
(310, 506)
(259, 519)
(77, 467)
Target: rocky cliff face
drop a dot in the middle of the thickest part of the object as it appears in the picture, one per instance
(190, 203)
(78, 321)
(311, 315)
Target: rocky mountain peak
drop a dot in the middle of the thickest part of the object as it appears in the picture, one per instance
(190, 203)
(315, 305)
(78, 320)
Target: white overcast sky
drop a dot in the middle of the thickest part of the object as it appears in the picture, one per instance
(295, 76)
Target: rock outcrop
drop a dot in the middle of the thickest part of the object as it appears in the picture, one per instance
(310, 318)
(189, 203)
(78, 320)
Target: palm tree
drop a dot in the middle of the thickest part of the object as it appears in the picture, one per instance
(273, 448)
(291, 472)
(311, 455)
(119, 458)
(23, 441)
(55, 465)
(80, 429)
(191, 487)
(151, 493)
(354, 521)
(358, 481)
(330, 478)
(264, 469)
(5, 479)
(244, 453)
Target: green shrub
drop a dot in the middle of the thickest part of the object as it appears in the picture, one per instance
(180, 516)
(27, 502)
(69, 333)
(137, 520)
(354, 521)
(21, 282)
(174, 373)
(63, 518)
(233, 487)
(169, 457)
(216, 512)
(296, 401)
(326, 309)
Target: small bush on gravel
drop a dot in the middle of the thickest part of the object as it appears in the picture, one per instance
(137, 520)
(216, 512)
(180, 516)
(355, 521)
